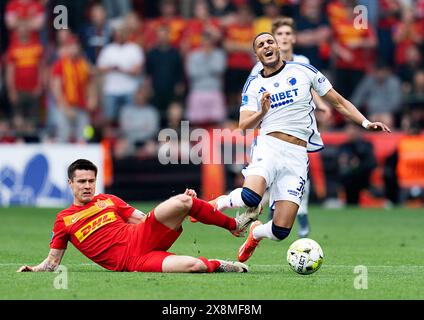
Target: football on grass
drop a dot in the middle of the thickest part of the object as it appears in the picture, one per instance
(305, 256)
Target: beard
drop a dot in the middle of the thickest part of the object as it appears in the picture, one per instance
(273, 63)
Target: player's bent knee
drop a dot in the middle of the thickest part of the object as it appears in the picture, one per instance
(250, 198)
(280, 232)
(183, 202)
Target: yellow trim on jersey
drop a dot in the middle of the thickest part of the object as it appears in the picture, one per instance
(94, 225)
(91, 211)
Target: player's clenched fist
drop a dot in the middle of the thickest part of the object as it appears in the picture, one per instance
(265, 102)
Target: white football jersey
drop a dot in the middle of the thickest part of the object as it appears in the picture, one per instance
(292, 109)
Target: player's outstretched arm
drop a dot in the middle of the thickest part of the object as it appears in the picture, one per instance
(321, 106)
(49, 264)
(348, 110)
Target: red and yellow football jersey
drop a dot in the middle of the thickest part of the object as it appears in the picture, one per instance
(98, 230)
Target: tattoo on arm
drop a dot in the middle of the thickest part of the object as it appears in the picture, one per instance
(52, 261)
(47, 266)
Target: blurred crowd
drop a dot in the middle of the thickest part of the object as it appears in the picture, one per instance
(124, 69)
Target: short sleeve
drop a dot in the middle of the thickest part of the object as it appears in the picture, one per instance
(321, 84)
(122, 208)
(249, 98)
(60, 236)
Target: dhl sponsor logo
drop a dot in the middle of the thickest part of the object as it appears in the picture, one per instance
(89, 212)
(94, 225)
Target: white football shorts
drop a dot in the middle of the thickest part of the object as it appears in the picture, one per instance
(283, 165)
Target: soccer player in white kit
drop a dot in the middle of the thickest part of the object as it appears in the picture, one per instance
(284, 32)
(278, 101)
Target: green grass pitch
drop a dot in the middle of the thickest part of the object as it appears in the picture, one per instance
(390, 244)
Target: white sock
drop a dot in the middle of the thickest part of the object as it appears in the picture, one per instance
(264, 231)
(232, 200)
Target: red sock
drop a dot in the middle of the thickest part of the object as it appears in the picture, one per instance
(211, 264)
(205, 213)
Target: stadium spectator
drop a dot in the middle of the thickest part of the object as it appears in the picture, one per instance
(238, 45)
(136, 29)
(181, 146)
(53, 52)
(54, 49)
(117, 9)
(389, 12)
(121, 64)
(165, 72)
(127, 239)
(29, 14)
(205, 71)
(74, 92)
(263, 23)
(224, 10)
(138, 122)
(356, 161)
(95, 34)
(24, 68)
(380, 93)
(414, 102)
(169, 18)
(175, 114)
(406, 71)
(313, 33)
(354, 48)
(201, 22)
(409, 31)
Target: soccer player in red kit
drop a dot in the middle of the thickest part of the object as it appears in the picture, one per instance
(119, 237)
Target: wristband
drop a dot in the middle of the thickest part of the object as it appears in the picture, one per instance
(366, 123)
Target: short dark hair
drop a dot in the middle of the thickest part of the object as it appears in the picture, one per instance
(81, 164)
(258, 35)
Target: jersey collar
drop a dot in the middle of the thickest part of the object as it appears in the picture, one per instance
(275, 72)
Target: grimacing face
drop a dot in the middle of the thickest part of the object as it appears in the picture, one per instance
(267, 50)
(83, 185)
(285, 37)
